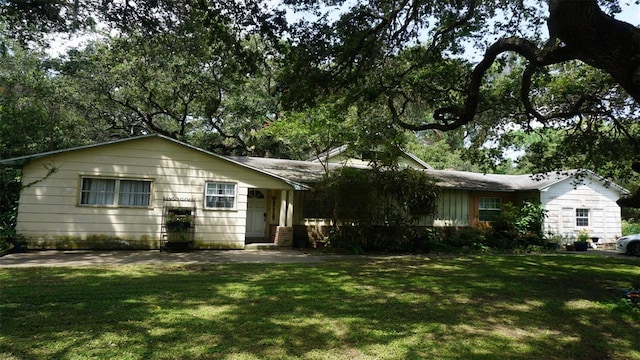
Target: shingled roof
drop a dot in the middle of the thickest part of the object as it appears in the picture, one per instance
(296, 170)
(311, 172)
(298, 173)
(462, 180)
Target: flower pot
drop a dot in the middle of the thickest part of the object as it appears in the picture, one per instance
(581, 246)
(178, 226)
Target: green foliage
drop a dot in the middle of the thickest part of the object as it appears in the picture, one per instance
(9, 193)
(377, 209)
(517, 226)
(630, 228)
(583, 236)
(453, 239)
(441, 150)
(206, 91)
(312, 131)
(516, 229)
(602, 139)
(234, 77)
(34, 116)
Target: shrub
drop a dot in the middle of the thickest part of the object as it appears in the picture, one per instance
(377, 209)
(629, 228)
(517, 227)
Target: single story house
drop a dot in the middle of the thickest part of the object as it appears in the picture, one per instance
(151, 191)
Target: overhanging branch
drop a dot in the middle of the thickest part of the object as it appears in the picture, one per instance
(452, 117)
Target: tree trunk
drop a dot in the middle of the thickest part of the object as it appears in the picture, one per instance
(598, 39)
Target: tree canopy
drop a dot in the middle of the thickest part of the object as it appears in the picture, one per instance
(557, 81)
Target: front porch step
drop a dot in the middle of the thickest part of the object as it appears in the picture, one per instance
(264, 246)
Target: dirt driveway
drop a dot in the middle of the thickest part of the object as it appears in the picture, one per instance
(125, 257)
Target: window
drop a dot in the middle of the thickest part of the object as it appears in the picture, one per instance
(220, 195)
(488, 208)
(115, 192)
(134, 193)
(582, 217)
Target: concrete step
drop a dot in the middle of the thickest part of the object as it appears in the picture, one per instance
(264, 246)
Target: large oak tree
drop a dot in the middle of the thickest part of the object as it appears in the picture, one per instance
(408, 59)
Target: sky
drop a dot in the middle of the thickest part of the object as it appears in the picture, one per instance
(630, 13)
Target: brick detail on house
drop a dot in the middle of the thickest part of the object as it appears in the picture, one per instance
(284, 236)
(271, 233)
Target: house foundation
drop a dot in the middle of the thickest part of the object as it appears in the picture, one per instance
(283, 236)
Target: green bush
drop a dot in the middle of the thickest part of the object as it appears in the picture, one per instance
(378, 209)
(517, 227)
(629, 228)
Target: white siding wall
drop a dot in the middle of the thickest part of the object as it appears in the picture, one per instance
(49, 214)
(562, 199)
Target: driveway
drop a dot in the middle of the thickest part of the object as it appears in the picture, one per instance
(36, 258)
(126, 257)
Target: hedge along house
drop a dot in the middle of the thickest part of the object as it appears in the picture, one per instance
(130, 193)
(575, 200)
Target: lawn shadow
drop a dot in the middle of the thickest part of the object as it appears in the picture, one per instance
(397, 307)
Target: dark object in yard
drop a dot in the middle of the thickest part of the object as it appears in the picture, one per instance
(581, 245)
(633, 296)
(19, 246)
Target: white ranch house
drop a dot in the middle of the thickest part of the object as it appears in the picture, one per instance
(130, 194)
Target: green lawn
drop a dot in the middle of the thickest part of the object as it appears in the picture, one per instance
(467, 307)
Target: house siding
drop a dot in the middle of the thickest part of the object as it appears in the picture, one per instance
(49, 215)
(453, 208)
(562, 199)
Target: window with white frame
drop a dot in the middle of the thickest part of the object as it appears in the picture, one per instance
(489, 208)
(220, 195)
(115, 192)
(582, 217)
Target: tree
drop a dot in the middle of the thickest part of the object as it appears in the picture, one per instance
(409, 58)
(381, 35)
(371, 212)
(33, 112)
(208, 91)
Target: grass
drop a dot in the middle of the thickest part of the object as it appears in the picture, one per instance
(468, 307)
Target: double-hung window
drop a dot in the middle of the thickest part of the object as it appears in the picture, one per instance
(115, 192)
(489, 208)
(582, 217)
(220, 195)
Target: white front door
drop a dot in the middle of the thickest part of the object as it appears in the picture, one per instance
(256, 214)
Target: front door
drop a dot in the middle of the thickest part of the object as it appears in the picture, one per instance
(256, 214)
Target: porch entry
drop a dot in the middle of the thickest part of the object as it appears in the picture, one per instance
(256, 216)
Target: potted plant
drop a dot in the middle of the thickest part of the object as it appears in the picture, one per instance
(553, 241)
(178, 222)
(583, 240)
(179, 235)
